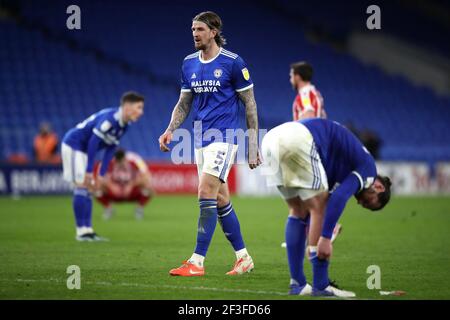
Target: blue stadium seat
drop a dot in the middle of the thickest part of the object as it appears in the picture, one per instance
(43, 79)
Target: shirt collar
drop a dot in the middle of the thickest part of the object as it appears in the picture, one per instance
(118, 117)
(210, 60)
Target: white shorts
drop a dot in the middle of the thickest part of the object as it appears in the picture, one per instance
(216, 159)
(74, 164)
(292, 163)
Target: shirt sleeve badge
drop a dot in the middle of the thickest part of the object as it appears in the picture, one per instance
(246, 74)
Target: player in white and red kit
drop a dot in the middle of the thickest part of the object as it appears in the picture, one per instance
(127, 180)
(309, 102)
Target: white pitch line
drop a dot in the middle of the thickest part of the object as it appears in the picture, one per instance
(143, 285)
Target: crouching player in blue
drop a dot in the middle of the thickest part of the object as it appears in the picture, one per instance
(100, 132)
(317, 166)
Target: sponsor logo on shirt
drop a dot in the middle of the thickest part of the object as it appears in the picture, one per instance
(205, 86)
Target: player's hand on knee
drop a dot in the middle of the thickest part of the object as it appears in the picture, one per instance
(164, 140)
(324, 248)
(100, 183)
(89, 181)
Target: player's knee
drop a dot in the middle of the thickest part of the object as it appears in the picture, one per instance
(206, 191)
(222, 200)
(298, 212)
(80, 186)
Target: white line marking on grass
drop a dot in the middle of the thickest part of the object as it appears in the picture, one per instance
(165, 286)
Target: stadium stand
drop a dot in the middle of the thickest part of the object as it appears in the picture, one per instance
(61, 76)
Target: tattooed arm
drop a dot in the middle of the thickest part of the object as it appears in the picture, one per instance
(248, 99)
(179, 114)
(181, 111)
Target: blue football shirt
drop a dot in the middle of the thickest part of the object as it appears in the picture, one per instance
(214, 84)
(341, 153)
(106, 124)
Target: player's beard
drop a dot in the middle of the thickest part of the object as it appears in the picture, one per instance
(200, 46)
(359, 195)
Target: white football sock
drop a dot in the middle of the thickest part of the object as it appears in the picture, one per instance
(83, 230)
(80, 231)
(241, 253)
(197, 260)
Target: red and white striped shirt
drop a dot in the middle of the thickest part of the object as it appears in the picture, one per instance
(308, 99)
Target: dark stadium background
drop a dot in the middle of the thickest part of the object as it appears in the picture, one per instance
(58, 75)
(392, 84)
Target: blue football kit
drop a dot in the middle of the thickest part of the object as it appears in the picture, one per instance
(101, 131)
(349, 167)
(214, 84)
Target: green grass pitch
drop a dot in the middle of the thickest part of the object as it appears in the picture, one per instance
(409, 241)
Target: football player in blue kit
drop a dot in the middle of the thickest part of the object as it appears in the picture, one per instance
(317, 166)
(102, 131)
(214, 81)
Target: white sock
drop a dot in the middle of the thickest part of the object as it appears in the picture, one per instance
(197, 260)
(80, 231)
(241, 253)
(84, 230)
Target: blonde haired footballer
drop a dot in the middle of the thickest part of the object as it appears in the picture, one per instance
(213, 83)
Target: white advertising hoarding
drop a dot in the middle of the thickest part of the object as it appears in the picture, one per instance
(408, 178)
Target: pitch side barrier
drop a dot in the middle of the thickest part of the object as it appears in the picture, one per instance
(409, 178)
(168, 178)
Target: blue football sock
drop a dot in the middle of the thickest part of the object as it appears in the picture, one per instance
(82, 207)
(206, 225)
(88, 211)
(295, 244)
(320, 271)
(230, 226)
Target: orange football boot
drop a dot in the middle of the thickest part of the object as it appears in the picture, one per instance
(188, 269)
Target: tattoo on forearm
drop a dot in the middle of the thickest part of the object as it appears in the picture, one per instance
(181, 110)
(248, 99)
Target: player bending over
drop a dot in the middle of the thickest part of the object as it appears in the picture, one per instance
(317, 166)
(100, 132)
(128, 179)
(214, 80)
(308, 103)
